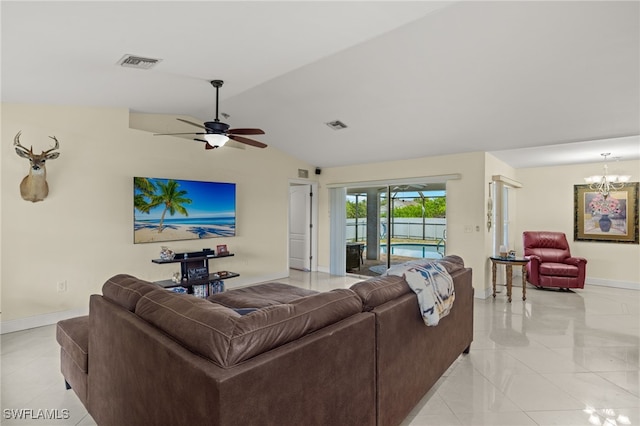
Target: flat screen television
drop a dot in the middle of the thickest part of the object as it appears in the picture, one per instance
(176, 209)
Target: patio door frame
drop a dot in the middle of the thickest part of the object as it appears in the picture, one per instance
(338, 216)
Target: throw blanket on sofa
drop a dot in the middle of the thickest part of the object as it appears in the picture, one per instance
(432, 284)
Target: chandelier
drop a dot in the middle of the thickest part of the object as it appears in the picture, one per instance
(605, 183)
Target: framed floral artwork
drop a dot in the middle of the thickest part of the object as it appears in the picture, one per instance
(610, 219)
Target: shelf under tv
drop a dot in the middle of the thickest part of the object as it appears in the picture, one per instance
(190, 283)
(179, 258)
(194, 270)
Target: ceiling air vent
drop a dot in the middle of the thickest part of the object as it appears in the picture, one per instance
(336, 125)
(133, 61)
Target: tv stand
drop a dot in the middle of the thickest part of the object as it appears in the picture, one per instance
(195, 277)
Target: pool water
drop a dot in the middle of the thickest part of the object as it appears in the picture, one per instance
(413, 250)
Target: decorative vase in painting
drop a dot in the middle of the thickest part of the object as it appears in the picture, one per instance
(605, 223)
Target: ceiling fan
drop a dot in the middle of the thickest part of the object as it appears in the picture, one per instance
(217, 133)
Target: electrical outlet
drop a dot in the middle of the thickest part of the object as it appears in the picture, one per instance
(62, 286)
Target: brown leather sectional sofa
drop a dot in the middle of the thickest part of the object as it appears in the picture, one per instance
(358, 356)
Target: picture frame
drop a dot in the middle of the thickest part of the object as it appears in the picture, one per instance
(611, 219)
(221, 250)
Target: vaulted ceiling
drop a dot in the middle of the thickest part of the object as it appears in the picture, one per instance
(535, 83)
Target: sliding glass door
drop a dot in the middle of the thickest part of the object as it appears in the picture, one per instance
(390, 224)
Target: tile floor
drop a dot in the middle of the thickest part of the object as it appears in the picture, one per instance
(560, 358)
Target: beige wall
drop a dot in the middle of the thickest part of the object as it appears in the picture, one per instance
(82, 233)
(545, 202)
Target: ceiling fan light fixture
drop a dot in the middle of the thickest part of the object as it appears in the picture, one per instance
(214, 139)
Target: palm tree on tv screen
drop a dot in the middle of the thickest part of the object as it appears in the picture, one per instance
(146, 190)
(172, 198)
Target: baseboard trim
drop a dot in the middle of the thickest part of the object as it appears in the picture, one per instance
(324, 269)
(479, 294)
(627, 285)
(20, 324)
(614, 284)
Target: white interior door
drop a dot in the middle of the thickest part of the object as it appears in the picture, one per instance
(300, 227)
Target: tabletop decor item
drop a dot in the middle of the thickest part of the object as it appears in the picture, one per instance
(166, 253)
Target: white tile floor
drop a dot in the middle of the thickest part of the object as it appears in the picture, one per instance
(557, 359)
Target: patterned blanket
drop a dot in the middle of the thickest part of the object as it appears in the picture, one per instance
(432, 284)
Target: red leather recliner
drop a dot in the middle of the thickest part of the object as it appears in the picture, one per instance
(551, 263)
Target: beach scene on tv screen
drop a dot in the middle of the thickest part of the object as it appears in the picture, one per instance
(175, 209)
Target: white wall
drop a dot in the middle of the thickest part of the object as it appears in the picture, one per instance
(83, 233)
(545, 202)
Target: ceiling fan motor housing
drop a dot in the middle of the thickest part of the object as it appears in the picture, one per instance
(216, 127)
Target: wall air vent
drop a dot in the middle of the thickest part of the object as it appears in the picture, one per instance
(336, 125)
(133, 61)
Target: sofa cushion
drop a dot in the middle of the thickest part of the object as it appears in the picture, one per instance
(228, 338)
(126, 290)
(260, 296)
(558, 269)
(73, 336)
(378, 290)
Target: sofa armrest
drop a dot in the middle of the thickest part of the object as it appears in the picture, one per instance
(576, 261)
(378, 290)
(581, 264)
(533, 269)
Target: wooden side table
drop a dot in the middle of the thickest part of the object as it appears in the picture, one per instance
(509, 270)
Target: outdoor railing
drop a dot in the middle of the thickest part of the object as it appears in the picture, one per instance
(401, 228)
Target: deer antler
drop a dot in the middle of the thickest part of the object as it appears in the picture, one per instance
(18, 145)
(55, 147)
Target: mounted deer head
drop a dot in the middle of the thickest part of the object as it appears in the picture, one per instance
(34, 186)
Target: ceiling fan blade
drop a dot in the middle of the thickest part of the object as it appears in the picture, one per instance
(245, 132)
(207, 146)
(248, 141)
(171, 134)
(200, 140)
(192, 123)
